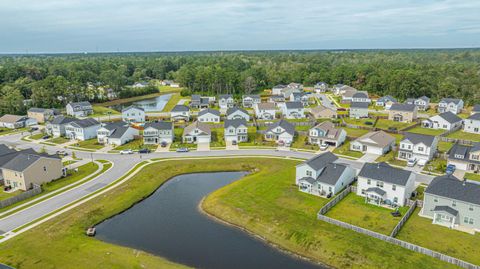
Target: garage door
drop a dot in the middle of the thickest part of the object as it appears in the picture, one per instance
(203, 139)
(374, 150)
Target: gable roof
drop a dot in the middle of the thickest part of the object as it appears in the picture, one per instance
(419, 138)
(320, 161)
(4, 149)
(207, 111)
(267, 106)
(40, 110)
(62, 120)
(449, 117)
(424, 98)
(235, 123)
(384, 172)
(84, 123)
(225, 96)
(451, 100)
(403, 107)
(161, 125)
(21, 160)
(112, 125)
(119, 131)
(320, 108)
(8, 118)
(359, 105)
(462, 150)
(360, 94)
(77, 106)
(380, 138)
(475, 116)
(235, 109)
(205, 128)
(332, 173)
(447, 209)
(453, 188)
(287, 126)
(132, 107)
(387, 98)
(293, 105)
(329, 129)
(180, 108)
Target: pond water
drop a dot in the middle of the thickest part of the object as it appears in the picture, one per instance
(169, 224)
(149, 105)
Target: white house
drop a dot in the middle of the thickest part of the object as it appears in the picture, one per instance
(417, 146)
(133, 114)
(422, 103)
(281, 132)
(293, 110)
(445, 121)
(320, 87)
(116, 133)
(236, 130)
(378, 142)
(300, 97)
(79, 109)
(158, 132)
(237, 113)
(361, 97)
(450, 104)
(56, 127)
(323, 176)
(180, 113)
(472, 124)
(465, 158)
(82, 129)
(326, 133)
(382, 184)
(265, 111)
(226, 101)
(250, 100)
(358, 110)
(196, 133)
(278, 90)
(475, 109)
(209, 115)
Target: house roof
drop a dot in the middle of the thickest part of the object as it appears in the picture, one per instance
(4, 149)
(119, 131)
(287, 126)
(253, 96)
(453, 188)
(320, 161)
(402, 107)
(464, 151)
(320, 108)
(132, 107)
(447, 209)
(293, 105)
(21, 160)
(280, 86)
(84, 123)
(180, 108)
(360, 94)
(161, 125)
(332, 173)
(209, 110)
(348, 92)
(266, 106)
(8, 118)
(359, 105)
(235, 109)
(80, 105)
(112, 125)
(310, 180)
(321, 83)
(450, 100)
(329, 129)
(62, 120)
(235, 123)
(376, 190)
(196, 97)
(387, 98)
(380, 138)
(205, 128)
(277, 97)
(476, 108)
(450, 117)
(475, 116)
(384, 172)
(424, 98)
(225, 96)
(40, 110)
(419, 138)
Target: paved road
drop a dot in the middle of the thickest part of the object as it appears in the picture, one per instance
(123, 163)
(324, 100)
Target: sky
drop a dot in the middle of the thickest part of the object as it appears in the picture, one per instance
(54, 26)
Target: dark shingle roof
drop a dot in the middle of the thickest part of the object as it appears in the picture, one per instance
(294, 105)
(21, 160)
(360, 95)
(180, 108)
(419, 138)
(359, 105)
(235, 109)
(332, 173)
(225, 96)
(112, 125)
(453, 188)
(444, 208)
(235, 123)
(385, 172)
(209, 110)
(403, 107)
(475, 116)
(310, 180)
(376, 190)
(387, 98)
(450, 117)
(62, 120)
(320, 161)
(119, 131)
(289, 128)
(161, 125)
(4, 149)
(84, 123)
(450, 100)
(464, 151)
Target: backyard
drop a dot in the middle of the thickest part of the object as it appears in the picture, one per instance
(426, 131)
(355, 132)
(367, 122)
(385, 124)
(464, 136)
(100, 111)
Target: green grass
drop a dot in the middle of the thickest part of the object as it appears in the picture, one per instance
(472, 176)
(436, 165)
(256, 140)
(421, 231)
(5, 195)
(65, 163)
(345, 150)
(384, 124)
(58, 140)
(426, 131)
(136, 145)
(301, 142)
(464, 136)
(72, 177)
(353, 209)
(100, 111)
(267, 203)
(391, 158)
(174, 99)
(360, 122)
(37, 136)
(89, 144)
(444, 146)
(354, 132)
(304, 128)
(217, 138)
(5, 131)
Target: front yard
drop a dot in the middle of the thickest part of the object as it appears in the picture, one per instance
(136, 145)
(472, 176)
(301, 142)
(353, 209)
(218, 138)
(391, 158)
(89, 144)
(6, 195)
(345, 150)
(464, 136)
(256, 140)
(426, 131)
(436, 165)
(58, 140)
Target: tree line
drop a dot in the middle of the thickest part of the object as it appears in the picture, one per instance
(53, 80)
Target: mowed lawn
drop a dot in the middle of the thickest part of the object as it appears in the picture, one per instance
(384, 124)
(426, 131)
(136, 145)
(421, 231)
(353, 209)
(345, 150)
(58, 140)
(354, 132)
(464, 136)
(89, 144)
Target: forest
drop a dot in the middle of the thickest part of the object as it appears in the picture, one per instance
(53, 80)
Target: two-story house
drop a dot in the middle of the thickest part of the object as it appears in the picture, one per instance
(281, 132)
(386, 101)
(326, 133)
(197, 132)
(300, 97)
(41, 114)
(361, 97)
(358, 110)
(466, 158)
(384, 185)
(265, 111)
(422, 103)
(276, 99)
(158, 132)
(450, 104)
(237, 113)
(250, 100)
(79, 109)
(236, 130)
(293, 110)
(378, 142)
(199, 102)
(472, 124)
(226, 101)
(116, 133)
(417, 146)
(322, 175)
(278, 89)
(15, 121)
(347, 94)
(133, 114)
(82, 129)
(180, 113)
(453, 203)
(320, 87)
(402, 112)
(209, 115)
(445, 121)
(56, 127)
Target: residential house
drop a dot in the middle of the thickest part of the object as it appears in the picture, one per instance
(226, 101)
(453, 203)
(56, 127)
(180, 113)
(465, 158)
(116, 133)
(281, 132)
(250, 100)
(277, 99)
(361, 97)
(347, 94)
(7, 153)
(326, 133)
(378, 142)
(323, 112)
(197, 132)
(82, 129)
(320, 87)
(199, 102)
(322, 175)
(79, 109)
(384, 185)
(417, 146)
(265, 111)
(236, 130)
(472, 124)
(158, 132)
(133, 114)
(386, 101)
(293, 110)
(450, 104)
(422, 103)
(41, 115)
(358, 110)
(278, 90)
(300, 97)
(338, 89)
(14, 121)
(475, 109)
(402, 112)
(237, 113)
(445, 121)
(209, 115)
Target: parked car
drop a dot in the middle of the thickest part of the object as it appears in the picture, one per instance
(45, 137)
(183, 150)
(126, 151)
(368, 123)
(450, 169)
(392, 129)
(144, 151)
(7, 188)
(411, 162)
(163, 144)
(33, 129)
(323, 146)
(234, 142)
(62, 152)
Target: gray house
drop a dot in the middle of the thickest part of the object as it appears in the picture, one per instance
(359, 110)
(453, 203)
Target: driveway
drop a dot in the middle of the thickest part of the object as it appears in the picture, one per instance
(229, 146)
(203, 146)
(163, 149)
(368, 158)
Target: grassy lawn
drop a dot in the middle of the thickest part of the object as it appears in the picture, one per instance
(360, 122)
(172, 102)
(99, 111)
(37, 136)
(65, 163)
(5, 131)
(58, 140)
(436, 165)
(304, 128)
(464, 136)
(354, 132)
(89, 144)
(5, 195)
(390, 158)
(426, 131)
(301, 142)
(444, 146)
(136, 145)
(472, 176)
(421, 231)
(72, 176)
(345, 150)
(218, 137)
(384, 124)
(353, 209)
(256, 140)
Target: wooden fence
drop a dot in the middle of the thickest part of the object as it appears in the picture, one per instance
(404, 219)
(22, 196)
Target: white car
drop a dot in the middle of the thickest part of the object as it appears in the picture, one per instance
(323, 146)
(411, 162)
(126, 151)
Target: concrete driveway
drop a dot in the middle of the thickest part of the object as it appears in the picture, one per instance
(203, 146)
(163, 149)
(229, 145)
(369, 158)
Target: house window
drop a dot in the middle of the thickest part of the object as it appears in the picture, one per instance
(466, 219)
(435, 200)
(380, 184)
(420, 148)
(454, 203)
(369, 181)
(309, 173)
(471, 221)
(395, 199)
(45, 168)
(394, 187)
(470, 208)
(363, 191)
(330, 190)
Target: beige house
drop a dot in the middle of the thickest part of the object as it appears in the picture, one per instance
(323, 112)
(25, 170)
(40, 114)
(403, 112)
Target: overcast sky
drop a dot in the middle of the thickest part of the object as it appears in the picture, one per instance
(179, 25)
